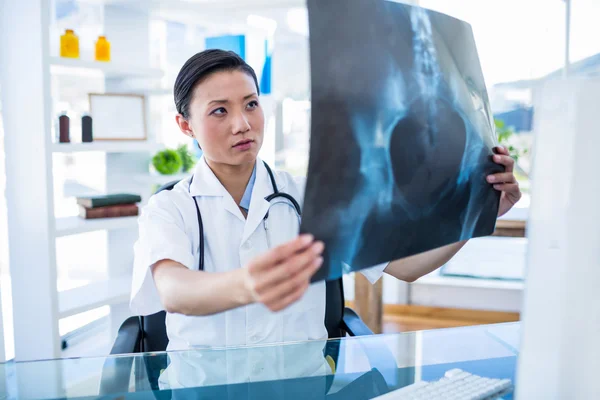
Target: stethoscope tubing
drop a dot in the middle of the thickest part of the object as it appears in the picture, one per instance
(275, 195)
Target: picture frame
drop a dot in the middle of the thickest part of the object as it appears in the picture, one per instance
(118, 116)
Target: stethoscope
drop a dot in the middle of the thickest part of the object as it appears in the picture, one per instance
(275, 195)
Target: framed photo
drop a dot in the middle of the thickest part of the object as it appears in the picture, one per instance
(117, 116)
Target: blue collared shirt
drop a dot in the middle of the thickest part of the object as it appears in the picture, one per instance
(245, 202)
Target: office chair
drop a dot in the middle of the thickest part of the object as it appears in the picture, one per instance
(140, 334)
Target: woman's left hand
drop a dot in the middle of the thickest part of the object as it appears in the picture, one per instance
(505, 181)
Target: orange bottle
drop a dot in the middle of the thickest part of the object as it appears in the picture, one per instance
(69, 44)
(102, 49)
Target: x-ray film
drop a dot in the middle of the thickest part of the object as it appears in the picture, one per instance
(402, 134)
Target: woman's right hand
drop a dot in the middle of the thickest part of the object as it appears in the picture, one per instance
(281, 276)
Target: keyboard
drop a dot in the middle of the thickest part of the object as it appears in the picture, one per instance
(456, 384)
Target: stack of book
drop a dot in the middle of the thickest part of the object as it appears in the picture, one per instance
(109, 205)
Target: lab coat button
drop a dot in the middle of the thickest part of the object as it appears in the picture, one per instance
(248, 245)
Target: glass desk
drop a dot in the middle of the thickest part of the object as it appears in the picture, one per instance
(348, 368)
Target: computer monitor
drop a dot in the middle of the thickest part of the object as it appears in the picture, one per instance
(560, 340)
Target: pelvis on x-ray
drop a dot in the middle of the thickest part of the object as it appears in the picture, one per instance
(401, 134)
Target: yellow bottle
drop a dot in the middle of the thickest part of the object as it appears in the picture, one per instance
(102, 49)
(69, 44)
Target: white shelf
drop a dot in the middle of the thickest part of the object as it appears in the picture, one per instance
(75, 225)
(107, 147)
(72, 66)
(479, 294)
(94, 295)
(152, 178)
(158, 92)
(478, 283)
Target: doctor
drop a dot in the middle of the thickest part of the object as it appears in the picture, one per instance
(253, 284)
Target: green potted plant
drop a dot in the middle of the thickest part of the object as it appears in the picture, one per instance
(504, 133)
(187, 158)
(517, 152)
(167, 162)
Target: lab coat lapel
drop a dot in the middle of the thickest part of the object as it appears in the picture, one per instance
(205, 183)
(258, 205)
(229, 205)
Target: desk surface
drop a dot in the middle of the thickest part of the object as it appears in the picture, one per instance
(365, 367)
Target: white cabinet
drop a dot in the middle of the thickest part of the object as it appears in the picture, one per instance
(32, 77)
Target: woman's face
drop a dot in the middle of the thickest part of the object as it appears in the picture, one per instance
(226, 118)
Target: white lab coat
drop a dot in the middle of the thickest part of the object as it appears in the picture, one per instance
(168, 229)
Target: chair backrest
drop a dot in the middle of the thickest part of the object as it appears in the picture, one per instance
(166, 186)
(154, 331)
(334, 308)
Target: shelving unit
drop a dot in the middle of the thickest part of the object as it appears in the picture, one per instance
(36, 71)
(75, 225)
(110, 70)
(107, 147)
(110, 292)
(155, 179)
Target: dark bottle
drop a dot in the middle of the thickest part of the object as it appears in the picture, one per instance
(86, 129)
(63, 129)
